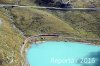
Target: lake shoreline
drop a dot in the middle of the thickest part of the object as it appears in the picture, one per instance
(67, 43)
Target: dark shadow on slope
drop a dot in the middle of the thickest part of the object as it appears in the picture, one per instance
(96, 56)
(44, 2)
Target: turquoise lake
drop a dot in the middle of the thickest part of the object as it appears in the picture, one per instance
(53, 53)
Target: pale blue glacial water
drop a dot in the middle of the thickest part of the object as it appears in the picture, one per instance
(53, 53)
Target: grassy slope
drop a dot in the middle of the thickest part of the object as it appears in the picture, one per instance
(83, 22)
(87, 23)
(38, 21)
(27, 2)
(75, 24)
(33, 21)
(80, 20)
(22, 2)
(7, 1)
(10, 42)
(96, 15)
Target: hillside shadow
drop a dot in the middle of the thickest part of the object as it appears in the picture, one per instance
(95, 55)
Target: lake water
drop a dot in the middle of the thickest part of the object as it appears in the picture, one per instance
(53, 53)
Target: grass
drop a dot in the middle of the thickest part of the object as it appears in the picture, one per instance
(10, 42)
(72, 23)
(33, 21)
(80, 20)
(27, 2)
(7, 1)
(39, 22)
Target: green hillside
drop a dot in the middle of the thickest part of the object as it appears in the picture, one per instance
(31, 21)
(7, 1)
(10, 42)
(84, 20)
(74, 24)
